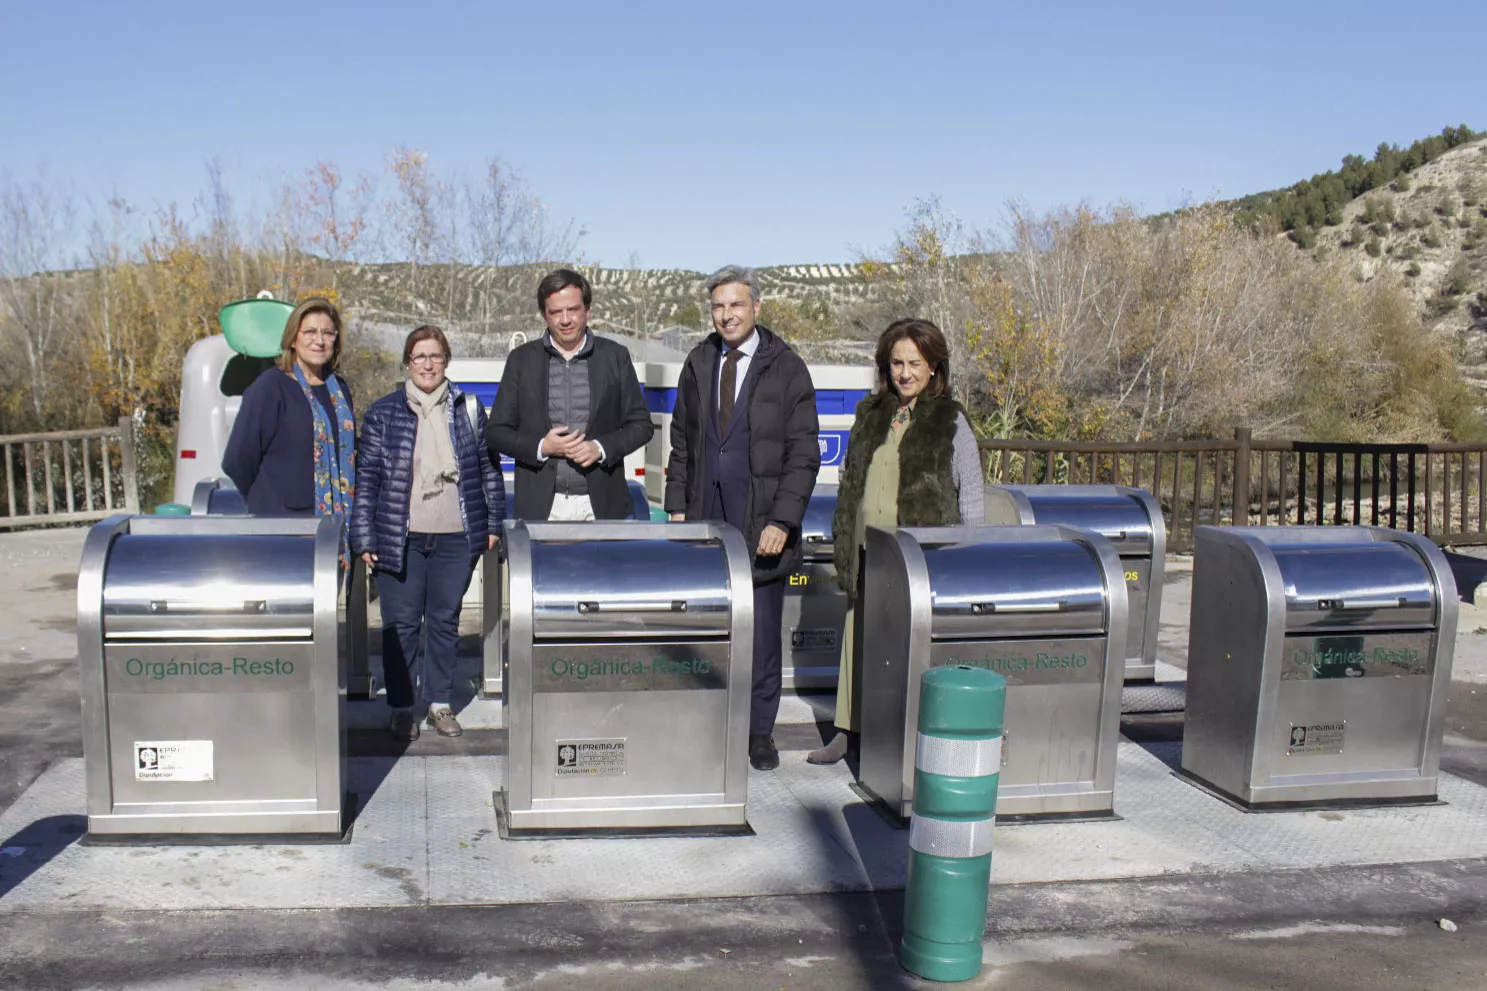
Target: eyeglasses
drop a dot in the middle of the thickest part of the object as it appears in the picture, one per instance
(311, 333)
(433, 360)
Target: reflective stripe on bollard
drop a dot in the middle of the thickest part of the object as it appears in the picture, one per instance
(956, 768)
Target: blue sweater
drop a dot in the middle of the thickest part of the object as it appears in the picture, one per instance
(270, 455)
(384, 479)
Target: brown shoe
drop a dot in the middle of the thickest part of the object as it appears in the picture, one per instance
(402, 725)
(832, 752)
(444, 723)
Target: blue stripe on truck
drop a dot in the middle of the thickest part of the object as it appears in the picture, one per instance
(486, 393)
(829, 402)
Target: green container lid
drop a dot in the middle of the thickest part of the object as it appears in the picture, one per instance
(172, 509)
(255, 326)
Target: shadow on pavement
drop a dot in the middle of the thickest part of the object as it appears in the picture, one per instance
(37, 843)
(364, 778)
(877, 914)
(1158, 733)
(1469, 572)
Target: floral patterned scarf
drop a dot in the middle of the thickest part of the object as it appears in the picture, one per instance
(335, 463)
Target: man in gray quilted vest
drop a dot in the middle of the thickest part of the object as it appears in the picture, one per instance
(568, 411)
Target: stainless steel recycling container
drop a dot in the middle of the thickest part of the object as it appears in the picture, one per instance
(211, 677)
(630, 663)
(1131, 519)
(815, 608)
(1043, 606)
(1318, 665)
(492, 579)
(219, 497)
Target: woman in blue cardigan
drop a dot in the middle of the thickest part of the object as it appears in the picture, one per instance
(430, 503)
(292, 448)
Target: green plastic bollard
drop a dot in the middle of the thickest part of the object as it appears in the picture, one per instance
(956, 769)
(172, 509)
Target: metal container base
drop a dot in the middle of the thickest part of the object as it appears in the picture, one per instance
(822, 679)
(362, 689)
(578, 824)
(1082, 806)
(232, 829)
(1283, 798)
(886, 810)
(1030, 818)
(1140, 672)
(1027, 803)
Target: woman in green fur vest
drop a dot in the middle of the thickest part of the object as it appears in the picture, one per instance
(911, 461)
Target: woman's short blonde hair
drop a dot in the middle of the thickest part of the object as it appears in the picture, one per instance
(315, 304)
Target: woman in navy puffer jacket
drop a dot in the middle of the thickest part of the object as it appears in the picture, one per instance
(428, 504)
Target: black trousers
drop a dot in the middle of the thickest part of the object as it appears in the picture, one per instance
(726, 503)
(769, 612)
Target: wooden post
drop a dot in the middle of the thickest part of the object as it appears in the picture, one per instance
(126, 459)
(1241, 476)
(87, 479)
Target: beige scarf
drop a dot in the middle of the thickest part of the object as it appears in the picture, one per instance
(437, 467)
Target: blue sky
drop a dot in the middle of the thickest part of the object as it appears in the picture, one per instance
(690, 135)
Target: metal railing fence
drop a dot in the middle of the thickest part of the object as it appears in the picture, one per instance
(1439, 490)
(69, 476)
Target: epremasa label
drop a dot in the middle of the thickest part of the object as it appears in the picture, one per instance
(1317, 738)
(818, 639)
(591, 758)
(173, 760)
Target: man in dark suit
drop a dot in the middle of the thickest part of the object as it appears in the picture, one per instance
(569, 410)
(744, 450)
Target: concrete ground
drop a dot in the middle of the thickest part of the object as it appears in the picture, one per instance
(1376, 926)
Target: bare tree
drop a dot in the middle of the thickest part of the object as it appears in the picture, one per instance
(924, 275)
(36, 232)
(412, 213)
(506, 225)
(337, 216)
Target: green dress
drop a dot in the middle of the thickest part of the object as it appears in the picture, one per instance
(879, 509)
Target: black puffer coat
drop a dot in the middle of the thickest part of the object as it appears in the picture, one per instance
(384, 479)
(784, 446)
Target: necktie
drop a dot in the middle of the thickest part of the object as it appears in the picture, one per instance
(728, 387)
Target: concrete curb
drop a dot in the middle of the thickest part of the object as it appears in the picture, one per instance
(459, 943)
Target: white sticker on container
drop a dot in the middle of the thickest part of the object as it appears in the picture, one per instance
(173, 760)
(1318, 738)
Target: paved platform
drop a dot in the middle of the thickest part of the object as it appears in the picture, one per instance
(426, 836)
(425, 897)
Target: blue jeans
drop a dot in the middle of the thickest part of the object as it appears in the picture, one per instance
(427, 594)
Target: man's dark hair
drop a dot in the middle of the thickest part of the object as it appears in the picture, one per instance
(559, 279)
